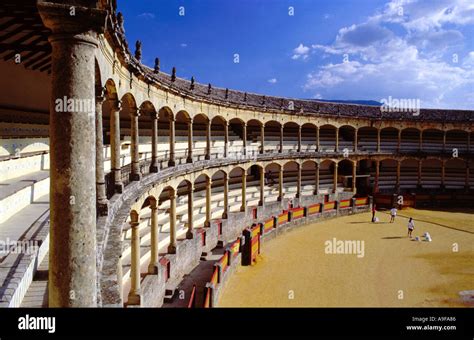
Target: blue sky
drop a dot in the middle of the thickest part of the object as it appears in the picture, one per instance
(340, 49)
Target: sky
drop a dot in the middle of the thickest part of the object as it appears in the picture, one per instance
(314, 49)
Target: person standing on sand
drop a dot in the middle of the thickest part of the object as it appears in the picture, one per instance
(373, 212)
(393, 214)
(411, 226)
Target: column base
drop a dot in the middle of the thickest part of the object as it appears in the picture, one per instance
(153, 168)
(260, 203)
(280, 198)
(243, 209)
(153, 268)
(297, 195)
(316, 192)
(118, 187)
(189, 235)
(171, 163)
(225, 215)
(207, 157)
(189, 159)
(134, 177)
(103, 208)
(171, 249)
(134, 299)
(207, 224)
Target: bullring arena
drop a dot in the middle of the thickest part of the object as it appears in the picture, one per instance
(139, 188)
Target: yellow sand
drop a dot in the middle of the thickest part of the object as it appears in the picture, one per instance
(423, 274)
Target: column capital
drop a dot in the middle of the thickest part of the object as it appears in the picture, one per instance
(70, 19)
(115, 104)
(134, 112)
(153, 203)
(100, 94)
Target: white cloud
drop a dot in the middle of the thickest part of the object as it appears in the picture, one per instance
(146, 15)
(183, 45)
(300, 52)
(272, 80)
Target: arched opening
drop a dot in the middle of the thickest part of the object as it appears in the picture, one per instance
(182, 137)
(388, 175)
(367, 139)
(410, 140)
(344, 174)
(309, 180)
(388, 139)
(327, 138)
(346, 138)
(147, 118)
(200, 124)
(455, 174)
(456, 140)
(272, 136)
(236, 134)
(308, 137)
(219, 205)
(431, 174)
(290, 179)
(254, 136)
(272, 182)
(326, 176)
(236, 178)
(365, 177)
(432, 141)
(165, 121)
(218, 125)
(131, 157)
(290, 137)
(408, 174)
(202, 201)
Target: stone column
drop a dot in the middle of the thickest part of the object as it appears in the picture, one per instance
(337, 140)
(281, 138)
(135, 173)
(115, 145)
(172, 215)
(262, 186)
(299, 138)
(298, 182)
(207, 223)
(154, 142)
(377, 173)
(72, 253)
(154, 239)
(397, 184)
(378, 139)
(189, 232)
(120, 277)
(280, 184)
(102, 201)
(226, 196)
(226, 139)
(316, 187)
(208, 140)
(262, 138)
(189, 159)
(243, 207)
(334, 190)
(244, 137)
(318, 147)
(134, 295)
(356, 132)
(171, 161)
(354, 176)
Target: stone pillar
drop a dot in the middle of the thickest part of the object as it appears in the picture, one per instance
(120, 278)
(154, 142)
(208, 140)
(316, 186)
(172, 161)
(154, 240)
(135, 173)
(377, 173)
(281, 139)
(318, 148)
(356, 132)
(262, 139)
(298, 182)
(189, 232)
(397, 183)
(207, 223)
(134, 295)
(262, 186)
(337, 140)
(226, 139)
(243, 207)
(189, 159)
(334, 190)
(115, 145)
(378, 139)
(280, 184)
(226, 196)
(354, 176)
(244, 137)
(72, 253)
(299, 138)
(102, 201)
(172, 215)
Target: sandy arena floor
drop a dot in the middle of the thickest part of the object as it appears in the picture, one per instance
(294, 270)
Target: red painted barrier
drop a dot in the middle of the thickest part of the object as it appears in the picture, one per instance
(329, 206)
(268, 225)
(283, 218)
(297, 213)
(314, 209)
(192, 299)
(166, 263)
(344, 204)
